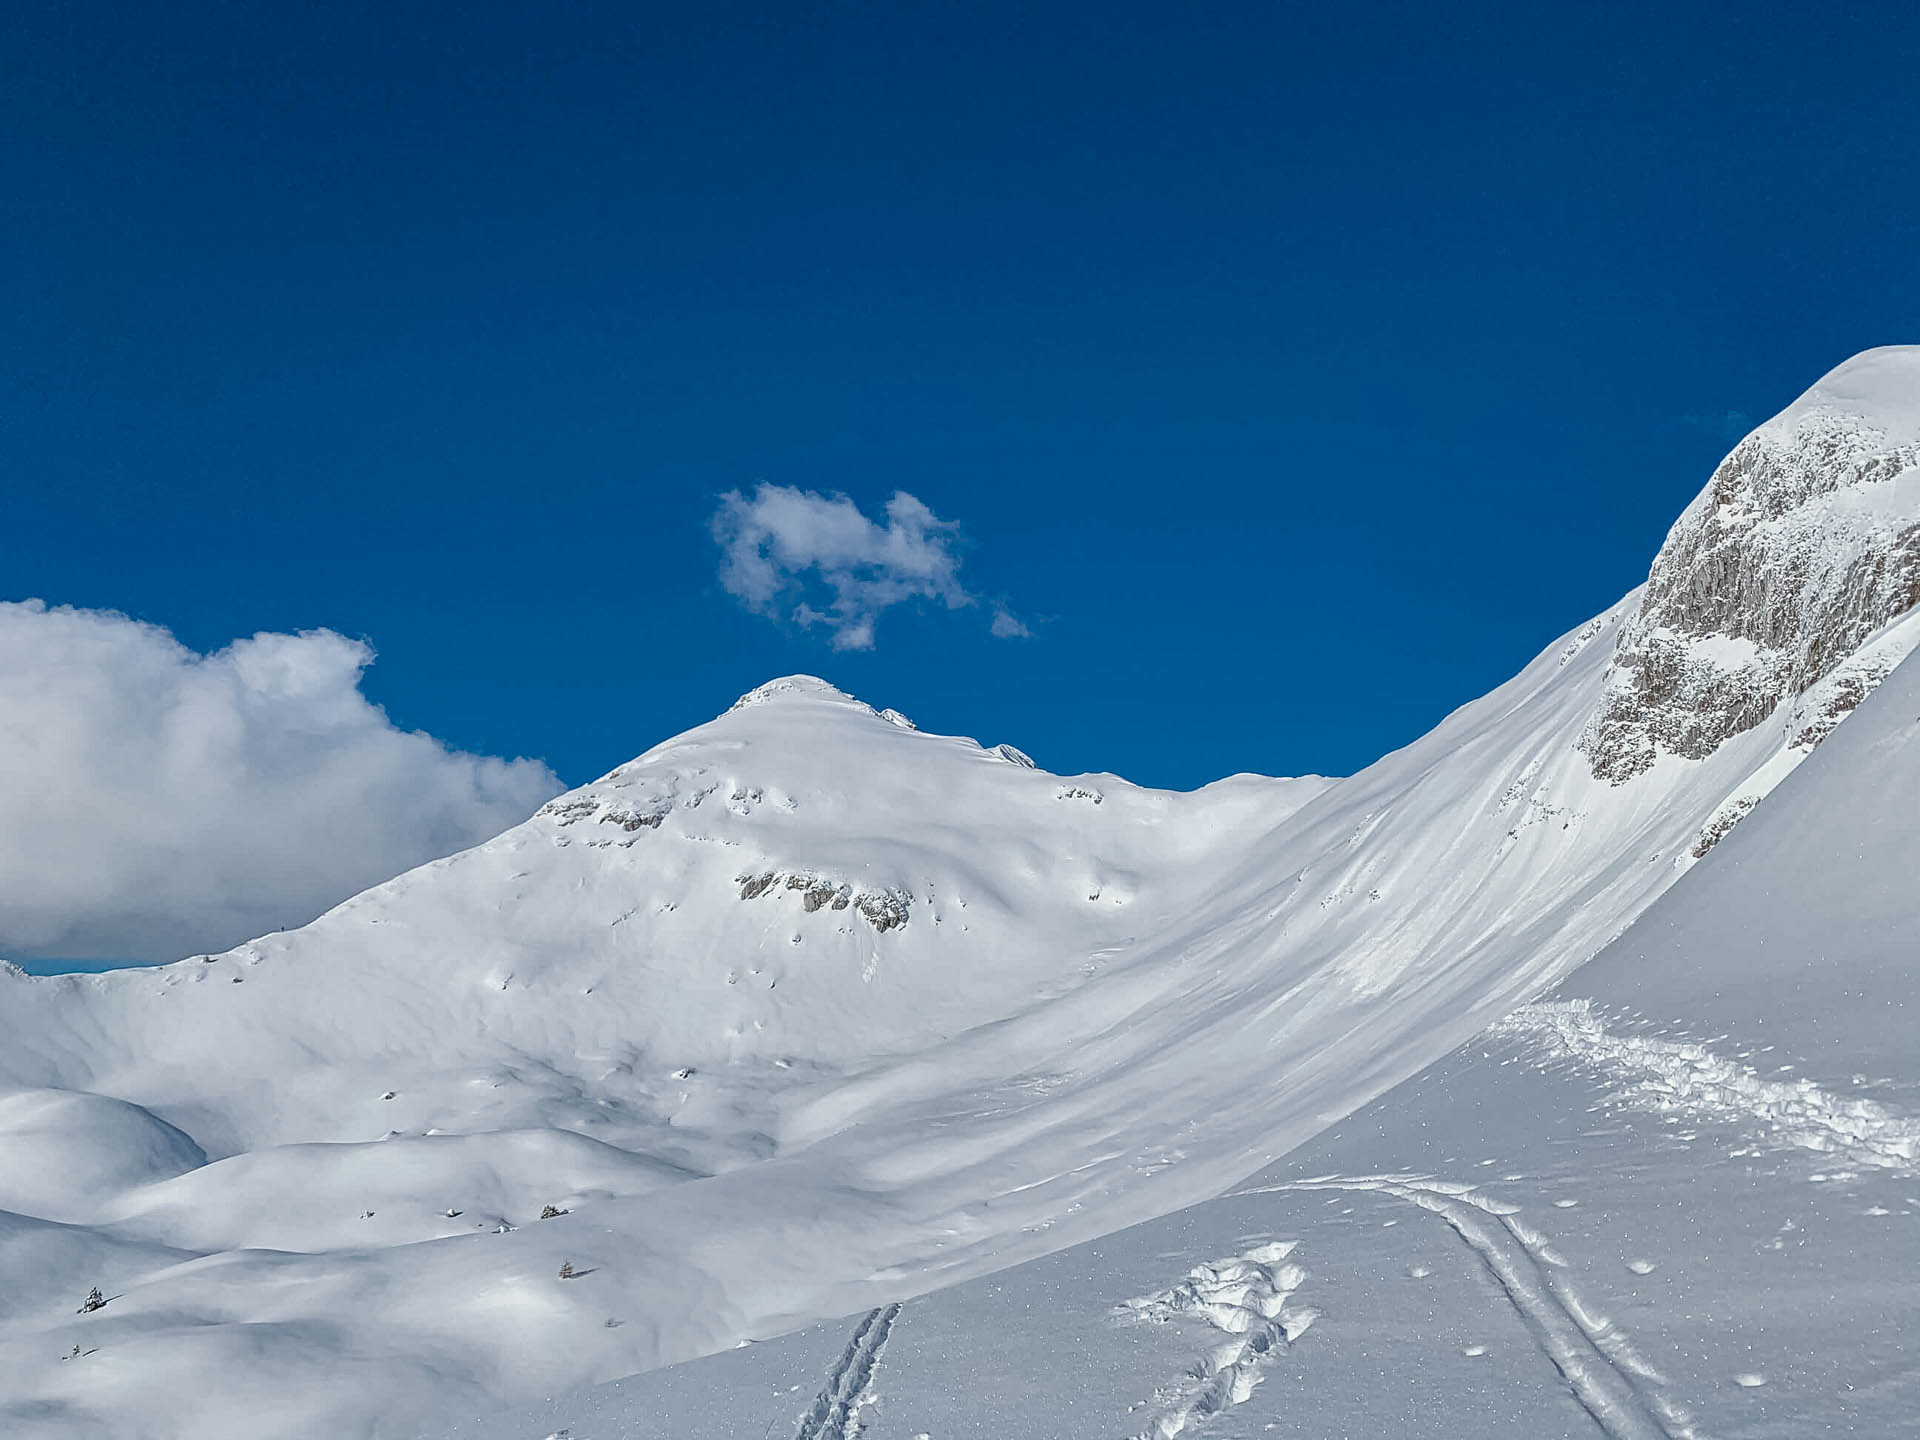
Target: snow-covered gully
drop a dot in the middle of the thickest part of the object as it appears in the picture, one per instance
(835, 1413)
(1620, 1390)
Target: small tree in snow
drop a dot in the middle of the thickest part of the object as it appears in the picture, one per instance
(567, 1272)
(95, 1301)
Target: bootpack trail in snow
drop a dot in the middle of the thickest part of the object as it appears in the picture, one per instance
(1244, 1297)
(1688, 1079)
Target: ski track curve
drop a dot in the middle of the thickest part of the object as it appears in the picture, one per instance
(1688, 1078)
(1619, 1389)
(835, 1412)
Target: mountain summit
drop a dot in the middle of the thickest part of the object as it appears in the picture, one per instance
(1780, 593)
(797, 687)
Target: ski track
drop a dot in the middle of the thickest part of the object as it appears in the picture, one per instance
(1619, 1389)
(1244, 1297)
(1685, 1077)
(835, 1413)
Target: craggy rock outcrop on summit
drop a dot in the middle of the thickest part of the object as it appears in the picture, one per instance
(1804, 544)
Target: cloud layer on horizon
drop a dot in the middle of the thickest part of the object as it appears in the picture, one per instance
(782, 545)
(156, 802)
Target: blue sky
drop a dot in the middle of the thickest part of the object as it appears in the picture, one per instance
(1292, 375)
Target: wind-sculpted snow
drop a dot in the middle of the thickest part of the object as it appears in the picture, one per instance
(798, 1014)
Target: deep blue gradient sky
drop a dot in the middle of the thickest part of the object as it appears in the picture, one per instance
(1296, 374)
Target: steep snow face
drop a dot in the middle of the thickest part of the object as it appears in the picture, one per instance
(1801, 932)
(1805, 544)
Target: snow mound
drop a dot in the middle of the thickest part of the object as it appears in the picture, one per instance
(324, 1197)
(61, 1148)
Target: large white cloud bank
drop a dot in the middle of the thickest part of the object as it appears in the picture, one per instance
(156, 802)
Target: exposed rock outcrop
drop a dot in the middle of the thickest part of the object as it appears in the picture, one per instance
(1805, 543)
(883, 909)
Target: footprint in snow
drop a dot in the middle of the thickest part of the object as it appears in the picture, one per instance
(1749, 1380)
(1642, 1267)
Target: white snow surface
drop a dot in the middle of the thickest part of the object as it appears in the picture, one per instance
(1656, 1205)
(1879, 387)
(806, 1013)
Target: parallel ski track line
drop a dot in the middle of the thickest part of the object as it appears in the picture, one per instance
(835, 1410)
(1609, 1379)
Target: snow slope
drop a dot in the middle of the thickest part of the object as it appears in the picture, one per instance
(1677, 1199)
(805, 1012)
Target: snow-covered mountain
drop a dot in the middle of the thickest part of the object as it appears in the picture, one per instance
(807, 1011)
(1775, 598)
(1674, 1201)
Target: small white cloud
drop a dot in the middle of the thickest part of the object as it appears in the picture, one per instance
(155, 802)
(1008, 626)
(1728, 426)
(782, 549)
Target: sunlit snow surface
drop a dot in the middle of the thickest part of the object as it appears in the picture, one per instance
(807, 1013)
(1590, 1222)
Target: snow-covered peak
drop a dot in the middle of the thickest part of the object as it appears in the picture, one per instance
(790, 688)
(1878, 388)
(1774, 581)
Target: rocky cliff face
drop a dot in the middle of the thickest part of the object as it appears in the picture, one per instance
(1774, 586)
